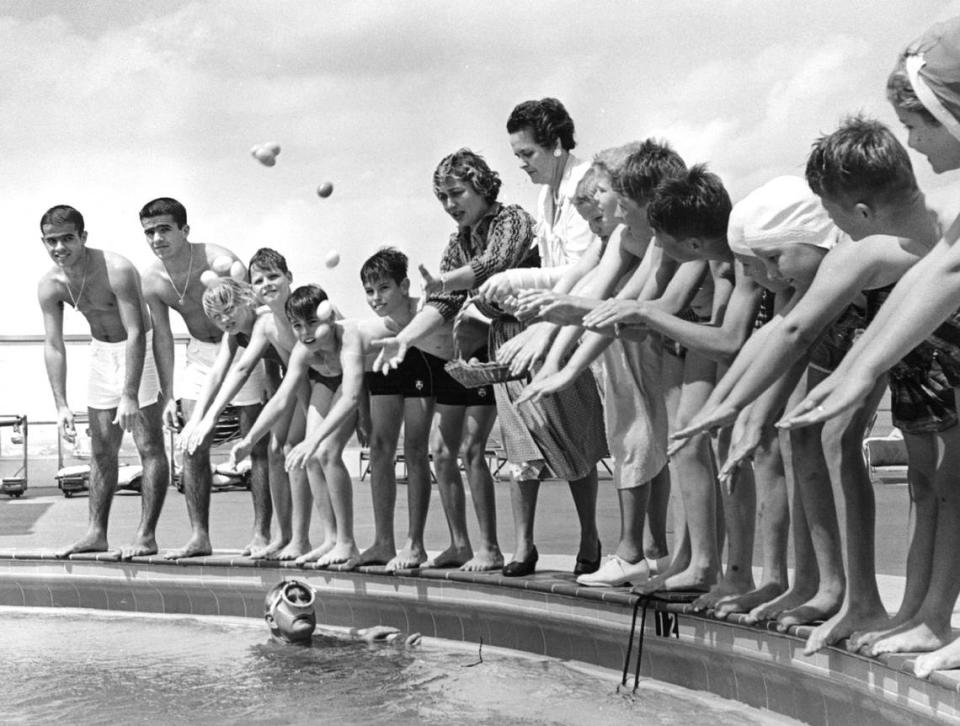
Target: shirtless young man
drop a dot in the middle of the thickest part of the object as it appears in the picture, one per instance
(123, 389)
(172, 282)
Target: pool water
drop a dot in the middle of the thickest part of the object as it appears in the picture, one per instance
(91, 667)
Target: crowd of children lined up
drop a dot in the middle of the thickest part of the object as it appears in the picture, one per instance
(638, 312)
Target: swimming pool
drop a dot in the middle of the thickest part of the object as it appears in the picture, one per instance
(87, 667)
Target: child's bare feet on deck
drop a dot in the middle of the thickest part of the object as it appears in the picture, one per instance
(315, 554)
(485, 559)
(820, 607)
(792, 598)
(257, 543)
(747, 601)
(271, 551)
(91, 542)
(140, 547)
(941, 659)
(451, 557)
(911, 637)
(377, 554)
(729, 586)
(695, 579)
(197, 546)
(345, 555)
(407, 558)
(295, 549)
(840, 626)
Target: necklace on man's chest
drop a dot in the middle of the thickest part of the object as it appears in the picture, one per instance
(181, 294)
(83, 284)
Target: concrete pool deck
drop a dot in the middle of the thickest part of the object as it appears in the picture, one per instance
(547, 613)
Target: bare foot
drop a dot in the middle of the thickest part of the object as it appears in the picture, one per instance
(315, 554)
(257, 543)
(771, 610)
(820, 607)
(694, 578)
(912, 638)
(451, 557)
(377, 554)
(840, 626)
(140, 547)
(407, 558)
(872, 632)
(747, 601)
(343, 554)
(727, 587)
(90, 542)
(294, 550)
(485, 559)
(942, 659)
(197, 546)
(271, 551)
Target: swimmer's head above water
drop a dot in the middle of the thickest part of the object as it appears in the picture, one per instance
(288, 610)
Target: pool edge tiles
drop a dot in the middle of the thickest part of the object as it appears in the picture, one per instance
(547, 616)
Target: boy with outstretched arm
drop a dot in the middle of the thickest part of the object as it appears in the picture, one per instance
(271, 340)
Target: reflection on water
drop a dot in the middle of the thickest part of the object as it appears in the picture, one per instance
(85, 667)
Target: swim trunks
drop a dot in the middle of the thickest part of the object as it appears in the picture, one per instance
(200, 359)
(108, 367)
(450, 392)
(838, 338)
(413, 378)
(922, 398)
(331, 382)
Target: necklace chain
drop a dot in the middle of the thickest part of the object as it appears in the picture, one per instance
(181, 296)
(83, 284)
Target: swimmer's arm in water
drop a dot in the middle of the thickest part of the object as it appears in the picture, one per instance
(55, 353)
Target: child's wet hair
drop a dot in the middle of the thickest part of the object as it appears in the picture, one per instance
(862, 161)
(268, 259)
(63, 214)
(586, 187)
(165, 205)
(302, 303)
(644, 169)
(387, 263)
(471, 168)
(693, 205)
(228, 293)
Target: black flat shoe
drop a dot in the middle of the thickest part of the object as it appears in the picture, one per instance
(586, 567)
(526, 566)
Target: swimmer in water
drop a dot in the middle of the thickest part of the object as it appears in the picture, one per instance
(289, 611)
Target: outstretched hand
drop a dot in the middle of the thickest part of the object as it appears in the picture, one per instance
(497, 288)
(65, 422)
(744, 442)
(431, 285)
(128, 413)
(299, 455)
(708, 420)
(537, 389)
(612, 312)
(240, 451)
(392, 353)
(841, 390)
(194, 434)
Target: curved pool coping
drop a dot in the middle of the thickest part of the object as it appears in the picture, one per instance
(545, 614)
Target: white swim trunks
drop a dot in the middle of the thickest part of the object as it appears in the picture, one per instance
(108, 367)
(200, 359)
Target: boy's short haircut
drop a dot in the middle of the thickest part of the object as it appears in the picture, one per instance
(63, 214)
(387, 263)
(471, 168)
(693, 205)
(165, 205)
(862, 161)
(226, 293)
(547, 121)
(302, 303)
(901, 94)
(269, 259)
(610, 161)
(586, 187)
(644, 169)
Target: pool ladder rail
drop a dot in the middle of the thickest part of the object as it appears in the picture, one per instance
(14, 486)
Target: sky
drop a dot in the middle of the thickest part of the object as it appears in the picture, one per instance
(108, 104)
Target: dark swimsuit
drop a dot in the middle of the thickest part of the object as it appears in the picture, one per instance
(922, 383)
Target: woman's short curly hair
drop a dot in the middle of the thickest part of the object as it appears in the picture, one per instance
(468, 166)
(546, 119)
